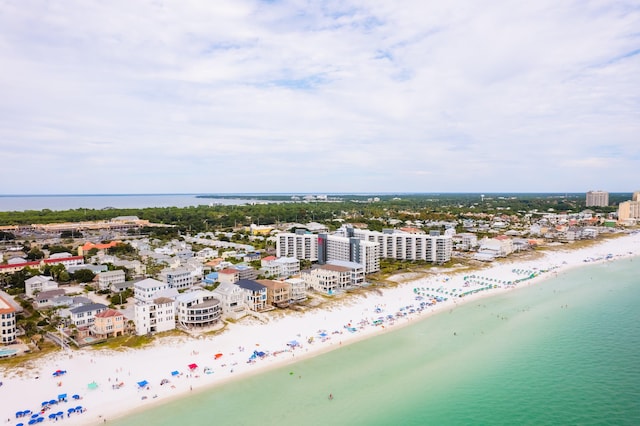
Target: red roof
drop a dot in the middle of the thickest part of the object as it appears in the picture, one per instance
(63, 259)
(269, 258)
(229, 271)
(20, 265)
(109, 313)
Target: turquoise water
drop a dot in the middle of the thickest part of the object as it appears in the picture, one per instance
(564, 351)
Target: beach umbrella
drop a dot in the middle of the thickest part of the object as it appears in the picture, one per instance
(79, 408)
(143, 383)
(53, 401)
(217, 356)
(92, 385)
(71, 410)
(32, 421)
(76, 396)
(175, 373)
(62, 397)
(193, 366)
(52, 416)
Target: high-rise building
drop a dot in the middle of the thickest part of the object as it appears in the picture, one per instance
(597, 198)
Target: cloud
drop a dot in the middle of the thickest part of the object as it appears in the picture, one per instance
(289, 96)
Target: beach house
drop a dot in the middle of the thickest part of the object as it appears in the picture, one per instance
(146, 290)
(255, 295)
(8, 329)
(44, 299)
(278, 292)
(297, 289)
(229, 275)
(178, 278)
(84, 315)
(155, 316)
(282, 267)
(106, 279)
(198, 308)
(231, 298)
(109, 323)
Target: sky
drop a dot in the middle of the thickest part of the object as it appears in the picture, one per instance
(294, 96)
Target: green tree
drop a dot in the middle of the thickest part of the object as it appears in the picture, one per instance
(83, 275)
(35, 254)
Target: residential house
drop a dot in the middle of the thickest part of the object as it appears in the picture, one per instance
(84, 315)
(44, 299)
(328, 279)
(297, 289)
(146, 290)
(178, 278)
(229, 275)
(198, 308)
(255, 295)
(155, 316)
(106, 279)
(278, 292)
(8, 329)
(39, 283)
(246, 272)
(231, 298)
(109, 323)
(282, 267)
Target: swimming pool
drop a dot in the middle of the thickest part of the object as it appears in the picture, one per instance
(7, 352)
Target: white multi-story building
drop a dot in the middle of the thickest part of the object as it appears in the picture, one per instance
(106, 279)
(232, 300)
(597, 198)
(178, 278)
(281, 267)
(298, 289)
(7, 322)
(328, 279)
(198, 308)
(39, 283)
(401, 245)
(146, 290)
(155, 316)
(349, 249)
(301, 245)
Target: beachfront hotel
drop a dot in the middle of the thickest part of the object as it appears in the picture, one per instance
(597, 199)
(629, 211)
(7, 322)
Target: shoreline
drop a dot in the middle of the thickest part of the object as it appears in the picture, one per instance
(21, 390)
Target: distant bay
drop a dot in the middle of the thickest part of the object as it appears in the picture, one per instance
(118, 201)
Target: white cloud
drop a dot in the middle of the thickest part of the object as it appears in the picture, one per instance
(251, 96)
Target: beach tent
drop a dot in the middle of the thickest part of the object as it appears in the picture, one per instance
(92, 385)
(217, 356)
(143, 383)
(59, 373)
(293, 343)
(193, 366)
(62, 397)
(175, 373)
(76, 396)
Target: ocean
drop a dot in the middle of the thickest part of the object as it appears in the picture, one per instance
(561, 352)
(119, 201)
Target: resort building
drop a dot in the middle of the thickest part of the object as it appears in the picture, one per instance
(231, 298)
(281, 267)
(349, 249)
(109, 323)
(394, 244)
(300, 245)
(178, 278)
(198, 308)
(597, 199)
(146, 290)
(84, 315)
(629, 211)
(39, 283)
(155, 316)
(8, 330)
(278, 292)
(255, 295)
(106, 279)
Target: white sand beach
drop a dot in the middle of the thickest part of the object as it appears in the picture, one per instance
(249, 347)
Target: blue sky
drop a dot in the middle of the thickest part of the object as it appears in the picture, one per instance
(308, 96)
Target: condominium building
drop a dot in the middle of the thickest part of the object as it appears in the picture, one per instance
(393, 244)
(146, 290)
(597, 198)
(349, 249)
(629, 210)
(300, 245)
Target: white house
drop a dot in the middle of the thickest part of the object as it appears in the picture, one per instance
(146, 290)
(298, 291)
(198, 308)
(155, 316)
(106, 279)
(178, 278)
(281, 267)
(232, 300)
(84, 315)
(39, 283)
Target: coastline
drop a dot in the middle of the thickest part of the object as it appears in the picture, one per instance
(21, 390)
